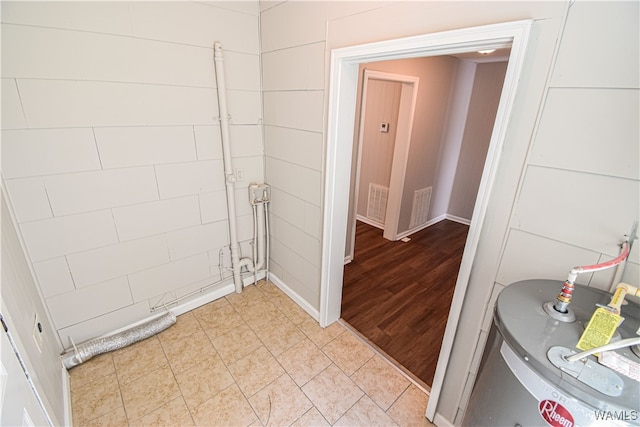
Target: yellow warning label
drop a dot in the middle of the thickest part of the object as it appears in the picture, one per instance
(601, 327)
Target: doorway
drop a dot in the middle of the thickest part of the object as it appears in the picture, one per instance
(416, 277)
(387, 109)
(397, 295)
(342, 93)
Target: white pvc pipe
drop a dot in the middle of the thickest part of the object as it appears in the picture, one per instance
(268, 238)
(254, 265)
(255, 242)
(228, 164)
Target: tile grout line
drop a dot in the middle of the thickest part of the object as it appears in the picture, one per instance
(384, 356)
(115, 371)
(221, 360)
(272, 300)
(182, 396)
(226, 367)
(269, 299)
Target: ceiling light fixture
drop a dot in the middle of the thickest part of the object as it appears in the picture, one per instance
(486, 52)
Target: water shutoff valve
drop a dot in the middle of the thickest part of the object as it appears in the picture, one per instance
(259, 193)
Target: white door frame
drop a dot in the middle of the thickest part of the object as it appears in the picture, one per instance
(402, 143)
(342, 94)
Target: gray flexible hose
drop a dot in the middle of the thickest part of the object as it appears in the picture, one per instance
(85, 351)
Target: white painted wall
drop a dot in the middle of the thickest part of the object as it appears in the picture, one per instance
(382, 105)
(111, 149)
(452, 140)
(454, 118)
(21, 303)
(437, 76)
(293, 69)
(577, 132)
(481, 115)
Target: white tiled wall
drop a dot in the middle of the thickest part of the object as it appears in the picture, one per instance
(158, 280)
(109, 262)
(30, 200)
(54, 276)
(12, 114)
(580, 191)
(295, 146)
(589, 116)
(292, 24)
(62, 54)
(89, 302)
(194, 240)
(111, 148)
(293, 73)
(294, 109)
(64, 235)
(53, 146)
(122, 147)
(306, 186)
(306, 64)
(91, 191)
(20, 303)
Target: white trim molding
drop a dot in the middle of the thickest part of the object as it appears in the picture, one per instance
(341, 112)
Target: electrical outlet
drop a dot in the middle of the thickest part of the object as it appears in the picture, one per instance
(239, 174)
(38, 335)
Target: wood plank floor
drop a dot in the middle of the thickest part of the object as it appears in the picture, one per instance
(398, 294)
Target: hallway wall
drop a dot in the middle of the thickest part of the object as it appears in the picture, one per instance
(382, 105)
(437, 76)
(485, 96)
(111, 149)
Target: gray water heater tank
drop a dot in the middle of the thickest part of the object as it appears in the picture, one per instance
(524, 379)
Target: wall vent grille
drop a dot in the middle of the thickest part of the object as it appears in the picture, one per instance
(377, 203)
(420, 209)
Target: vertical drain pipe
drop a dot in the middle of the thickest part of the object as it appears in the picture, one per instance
(228, 165)
(259, 197)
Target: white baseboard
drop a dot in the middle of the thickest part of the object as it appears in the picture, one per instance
(213, 295)
(348, 259)
(192, 303)
(370, 222)
(441, 421)
(204, 298)
(66, 390)
(435, 221)
(218, 293)
(295, 297)
(458, 219)
(421, 227)
(438, 219)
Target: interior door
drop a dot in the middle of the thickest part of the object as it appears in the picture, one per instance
(19, 405)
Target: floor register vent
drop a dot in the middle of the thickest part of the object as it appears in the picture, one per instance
(377, 203)
(420, 209)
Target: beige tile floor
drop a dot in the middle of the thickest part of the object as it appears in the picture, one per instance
(249, 359)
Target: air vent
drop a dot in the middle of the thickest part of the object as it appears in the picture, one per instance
(420, 210)
(377, 203)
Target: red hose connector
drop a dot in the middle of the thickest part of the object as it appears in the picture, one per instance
(564, 297)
